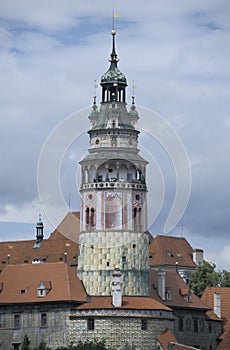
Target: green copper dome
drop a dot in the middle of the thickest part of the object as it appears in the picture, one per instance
(113, 75)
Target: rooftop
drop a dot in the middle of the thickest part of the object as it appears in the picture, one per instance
(208, 298)
(165, 338)
(20, 283)
(171, 251)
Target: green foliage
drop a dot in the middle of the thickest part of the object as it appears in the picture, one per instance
(25, 343)
(42, 346)
(206, 276)
(88, 345)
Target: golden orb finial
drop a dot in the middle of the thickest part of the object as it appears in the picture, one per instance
(113, 32)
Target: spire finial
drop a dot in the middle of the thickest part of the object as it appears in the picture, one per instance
(95, 86)
(133, 97)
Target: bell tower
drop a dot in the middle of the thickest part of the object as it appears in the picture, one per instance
(113, 194)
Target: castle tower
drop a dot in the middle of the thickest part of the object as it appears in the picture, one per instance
(113, 194)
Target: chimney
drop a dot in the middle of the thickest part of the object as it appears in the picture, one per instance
(161, 284)
(217, 306)
(198, 256)
(116, 285)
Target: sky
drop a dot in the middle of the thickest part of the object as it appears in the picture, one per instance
(176, 51)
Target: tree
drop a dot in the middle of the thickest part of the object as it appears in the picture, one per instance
(42, 346)
(225, 278)
(87, 345)
(204, 276)
(25, 343)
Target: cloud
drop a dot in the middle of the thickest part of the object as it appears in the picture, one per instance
(178, 55)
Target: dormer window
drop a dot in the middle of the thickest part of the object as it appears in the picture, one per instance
(43, 288)
(168, 294)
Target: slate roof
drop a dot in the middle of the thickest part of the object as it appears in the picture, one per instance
(171, 251)
(208, 298)
(19, 283)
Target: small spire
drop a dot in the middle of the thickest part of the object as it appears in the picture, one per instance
(113, 57)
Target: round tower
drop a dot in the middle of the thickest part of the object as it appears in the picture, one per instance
(113, 194)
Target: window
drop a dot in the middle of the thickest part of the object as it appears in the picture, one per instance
(195, 325)
(210, 328)
(92, 217)
(2, 320)
(17, 321)
(16, 346)
(43, 319)
(168, 294)
(87, 216)
(144, 325)
(181, 324)
(90, 324)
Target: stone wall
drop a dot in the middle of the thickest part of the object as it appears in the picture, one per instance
(197, 330)
(100, 252)
(124, 330)
(54, 334)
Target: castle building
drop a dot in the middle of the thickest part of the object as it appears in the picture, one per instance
(117, 283)
(113, 191)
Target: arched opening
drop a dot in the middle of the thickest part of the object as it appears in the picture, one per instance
(139, 218)
(86, 176)
(122, 174)
(92, 217)
(135, 216)
(112, 173)
(87, 217)
(92, 174)
(101, 173)
(132, 174)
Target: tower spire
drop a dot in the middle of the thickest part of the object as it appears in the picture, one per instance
(113, 57)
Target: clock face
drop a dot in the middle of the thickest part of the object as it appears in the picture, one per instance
(97, 141)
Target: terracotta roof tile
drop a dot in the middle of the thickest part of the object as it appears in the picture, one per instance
(165, 338)
(169, 250)
(174, 282)
(20, 283)
(50, 250)
(136, 303)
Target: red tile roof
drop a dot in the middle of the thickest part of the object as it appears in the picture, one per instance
(208, 298)
(175, 283)
(135, 303)
(20, 282)
(50, 250)
(165, 338)
(171, 251)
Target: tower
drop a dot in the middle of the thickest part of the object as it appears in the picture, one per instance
(113, 194)
(39, 229)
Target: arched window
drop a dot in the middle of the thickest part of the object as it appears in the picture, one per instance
(92, 217)
(139, 217)
(135, 215)
(122, 173)
(87, 216)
